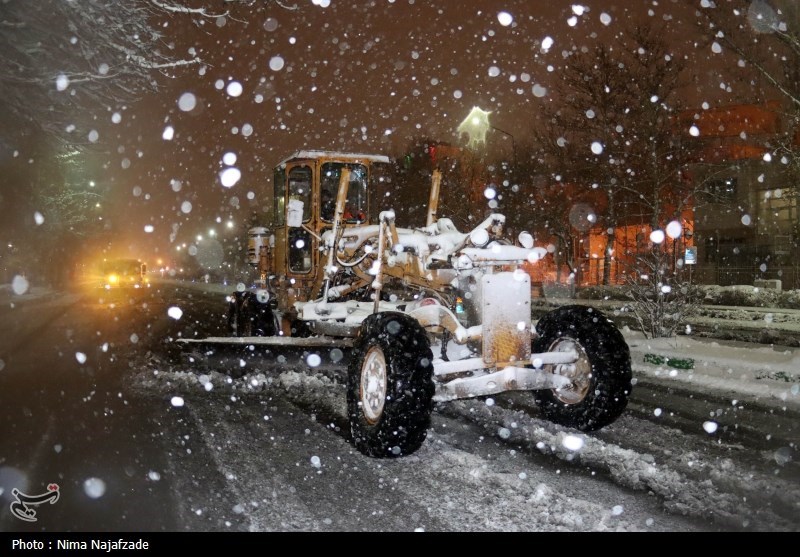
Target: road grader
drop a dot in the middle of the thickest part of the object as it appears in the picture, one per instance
(428, 314)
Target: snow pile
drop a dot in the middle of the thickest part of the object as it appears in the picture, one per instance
(751, 296)
(693, 484)
(303, 389)
(754, 371)
(743, 295)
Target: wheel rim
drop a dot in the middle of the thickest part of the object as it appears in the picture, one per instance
(373, 384)
(579, 373)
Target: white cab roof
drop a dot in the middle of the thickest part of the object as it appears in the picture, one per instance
(335, 155)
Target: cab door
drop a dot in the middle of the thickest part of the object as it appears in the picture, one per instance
(301, 246)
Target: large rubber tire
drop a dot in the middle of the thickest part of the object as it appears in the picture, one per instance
(247, 317)
(602, 375)
(235, 318)
(390, 386)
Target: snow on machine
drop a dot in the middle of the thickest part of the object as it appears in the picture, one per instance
(428, 314)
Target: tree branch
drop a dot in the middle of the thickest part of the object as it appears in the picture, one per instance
(184, 10)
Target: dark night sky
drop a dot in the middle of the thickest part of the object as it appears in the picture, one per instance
(355, 76)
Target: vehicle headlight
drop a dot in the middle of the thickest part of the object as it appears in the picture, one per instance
(113, 279)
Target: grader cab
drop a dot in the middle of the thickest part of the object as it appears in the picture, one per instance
(289, 253)
(430, 314)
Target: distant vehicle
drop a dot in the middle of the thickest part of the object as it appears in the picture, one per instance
(124, 273)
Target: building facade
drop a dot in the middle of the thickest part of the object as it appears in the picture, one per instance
(746, 219)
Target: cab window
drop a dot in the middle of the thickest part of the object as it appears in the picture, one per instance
(328, 186)
(356, 206)
(300, 188)
(299, 250)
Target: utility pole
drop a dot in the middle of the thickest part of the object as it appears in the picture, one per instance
(513, 148)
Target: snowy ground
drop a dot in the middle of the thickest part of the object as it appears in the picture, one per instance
(500, 465)
(694, 474)
(491, 480)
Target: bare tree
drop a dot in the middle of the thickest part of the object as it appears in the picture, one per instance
(613, 128)
(60, 62)
(660, 304)
(59, 57)
(610, 128)
(764, 36)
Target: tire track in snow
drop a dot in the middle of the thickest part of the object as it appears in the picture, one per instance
(770, 489)
(441, 487)
(483, 494)
(271, 461)
(681, 494)
(265, 499)
(488, 487)
(767, 480)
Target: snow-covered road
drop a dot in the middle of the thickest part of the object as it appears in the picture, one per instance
(487, 465)
(178, 445)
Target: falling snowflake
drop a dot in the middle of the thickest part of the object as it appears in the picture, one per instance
(94, 487)
(175, 312)
(572, 442)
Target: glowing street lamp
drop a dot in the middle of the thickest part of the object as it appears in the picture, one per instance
(475, 125)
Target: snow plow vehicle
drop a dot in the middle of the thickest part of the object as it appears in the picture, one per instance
(429, 314)
(123, 273)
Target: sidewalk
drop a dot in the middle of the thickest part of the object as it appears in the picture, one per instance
(770, 374)
(9, 298)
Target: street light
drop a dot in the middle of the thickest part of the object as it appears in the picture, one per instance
(513, 146)
(475, 126)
